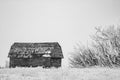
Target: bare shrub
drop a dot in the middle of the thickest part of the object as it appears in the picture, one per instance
(104, 50)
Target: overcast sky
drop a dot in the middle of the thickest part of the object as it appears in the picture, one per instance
(63, 21)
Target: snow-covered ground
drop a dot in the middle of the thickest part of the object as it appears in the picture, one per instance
(60, 74)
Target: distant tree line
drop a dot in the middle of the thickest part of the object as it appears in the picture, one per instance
(104, 50)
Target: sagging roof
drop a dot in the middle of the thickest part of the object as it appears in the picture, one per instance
(28, 49)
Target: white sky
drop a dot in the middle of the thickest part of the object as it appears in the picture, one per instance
(63, 21)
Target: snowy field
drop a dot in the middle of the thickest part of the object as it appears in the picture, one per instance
(60, 74)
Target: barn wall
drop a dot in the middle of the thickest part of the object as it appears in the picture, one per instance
(26, 62)
(56, 62)
(11, 63)
(34, 62)
(19, 62)
(46, 62)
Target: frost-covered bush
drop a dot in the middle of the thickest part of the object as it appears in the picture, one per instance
(104, 50)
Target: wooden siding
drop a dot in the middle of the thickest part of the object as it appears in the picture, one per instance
(34, 62)
(55, 62)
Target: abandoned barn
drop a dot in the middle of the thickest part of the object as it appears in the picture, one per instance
(35, 54)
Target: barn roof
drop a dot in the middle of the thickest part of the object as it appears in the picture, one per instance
(28, 49)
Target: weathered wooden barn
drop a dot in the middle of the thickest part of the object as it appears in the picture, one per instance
(35, 54)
